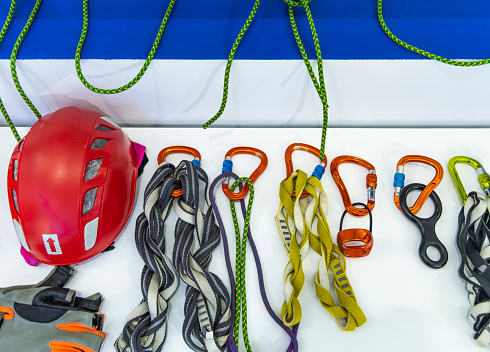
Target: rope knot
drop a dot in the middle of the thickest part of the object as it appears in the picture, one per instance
(297, 3)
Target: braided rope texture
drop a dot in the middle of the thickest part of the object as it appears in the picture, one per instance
(233, 339)
(208, 319)
(473, 241)
(139, 75)
(312, 209)
(146, 326)
(420, 51)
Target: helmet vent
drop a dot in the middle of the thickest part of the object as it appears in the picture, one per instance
(89, 201)
(92, 169)
(21, 144)
(104, 128)
(99, 143)
(14, 198)
(16, 169)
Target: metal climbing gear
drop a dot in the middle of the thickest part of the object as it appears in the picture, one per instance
(371, 183)
(356, 242)
(319, 169)
(238, 293)
(49, 317)
(302, 223)
(207, 319)
(427, 54)
(427, 226)
(228, 167)
(179, 149)
(400, 179)
(319, 83)
(483, 177)
(473, 243)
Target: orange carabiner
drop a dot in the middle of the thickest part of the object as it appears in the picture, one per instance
(319, 169)
(399, 181)
(179, 149)
(371, 183)
(228, 167)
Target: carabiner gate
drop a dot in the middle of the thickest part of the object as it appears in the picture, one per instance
(400, 180)
(179, 149)
(319, 169)
(483, 177)
(228, 167)
(371, 183)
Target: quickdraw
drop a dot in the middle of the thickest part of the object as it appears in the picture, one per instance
(399, 181)
(371, 183)
(239, 299)
(298, 235)
(473, 242)
(207, 311)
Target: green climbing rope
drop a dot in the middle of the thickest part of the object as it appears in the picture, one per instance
(4, 30)
(229, 62)
(241, 250)
(140, 74)
(318, 83)
(420, 51)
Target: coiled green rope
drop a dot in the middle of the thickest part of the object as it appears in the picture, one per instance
(423, 52)
(318, 83)
(140, 74)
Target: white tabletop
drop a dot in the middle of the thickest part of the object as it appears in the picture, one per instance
(408, 305)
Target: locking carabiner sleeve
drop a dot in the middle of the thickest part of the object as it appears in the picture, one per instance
(228, 167)
(483, 177)
(371, 183)
(179, 149)
(399, 181)
(319, 169)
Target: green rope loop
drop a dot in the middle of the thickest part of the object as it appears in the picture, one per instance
(140, 74)
(423, 52)
(241, 251)
(3, 32)
(229, 62)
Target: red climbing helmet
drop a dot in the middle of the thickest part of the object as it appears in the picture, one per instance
(71, 186)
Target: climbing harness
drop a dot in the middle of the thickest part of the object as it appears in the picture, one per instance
(400, 180)
(207, 319)
(427, 226)
(427, 54)
(319, 82)
(295, 220)
(473, 242)
(371, 183)
(228, 167)
(483, 177)
(143, 69)
(238, 293)
(49, 317)
(356, 242)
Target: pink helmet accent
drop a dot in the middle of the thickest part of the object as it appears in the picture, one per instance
(71, 186)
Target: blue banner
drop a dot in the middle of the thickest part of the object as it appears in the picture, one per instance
(206, 29)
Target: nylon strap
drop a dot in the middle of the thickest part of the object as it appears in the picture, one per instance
(239, 294)
(146, 326)
(296, 218)
(474, 245)
(207, 319)
(143, 69)
(318, 83)
(427, 54)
